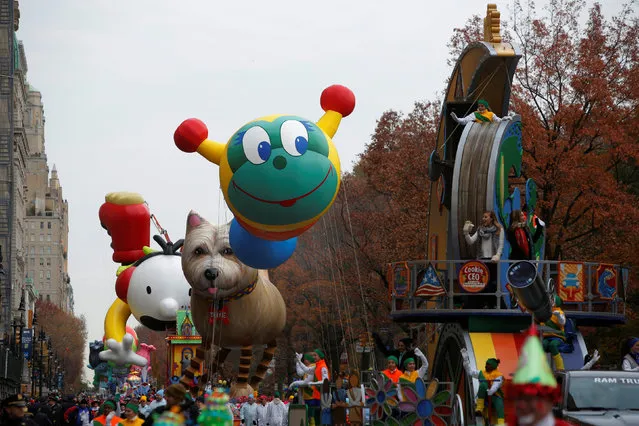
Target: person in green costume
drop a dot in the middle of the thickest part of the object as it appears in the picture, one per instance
(490, 386)
(554, 334)
(482, 115)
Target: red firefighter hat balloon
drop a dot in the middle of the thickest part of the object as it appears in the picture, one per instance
(279, 173)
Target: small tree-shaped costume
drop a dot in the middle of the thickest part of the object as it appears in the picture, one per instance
(554, 334)
(533, 385)
(490, 386)
(216, 412)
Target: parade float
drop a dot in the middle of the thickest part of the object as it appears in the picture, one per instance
(181, 348)
(473, 170)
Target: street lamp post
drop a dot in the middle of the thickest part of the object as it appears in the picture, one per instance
(42, 338)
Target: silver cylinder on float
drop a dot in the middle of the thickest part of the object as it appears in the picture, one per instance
(530, 290)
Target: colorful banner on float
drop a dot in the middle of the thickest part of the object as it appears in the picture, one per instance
(571, 281)
(606, 285)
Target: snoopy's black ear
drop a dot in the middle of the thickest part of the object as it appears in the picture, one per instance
(193, 221)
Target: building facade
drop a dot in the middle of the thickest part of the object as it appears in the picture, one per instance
(46, 216)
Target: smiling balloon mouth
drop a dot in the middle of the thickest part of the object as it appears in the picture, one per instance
(291, 201)
(156, 324)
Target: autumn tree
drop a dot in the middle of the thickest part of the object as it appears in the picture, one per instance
(68, 337)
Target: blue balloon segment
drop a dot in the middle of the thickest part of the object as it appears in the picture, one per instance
(259, 253)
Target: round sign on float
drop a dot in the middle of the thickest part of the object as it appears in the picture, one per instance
(473, 276)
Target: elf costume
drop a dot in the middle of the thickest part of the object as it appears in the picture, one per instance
(535, 383)
(490, 386)
(555, 335)
(486, 116)
(394, 374)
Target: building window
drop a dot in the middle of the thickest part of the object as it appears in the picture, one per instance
(41, 250)
(48, 298)
(48, 261)
(48, 237)
(41, 274)
(42, 261)
(41, 225)
(32, 248)
(49, 250)
(32, 237)
(41, 237)
(48, 275)
(48, 225)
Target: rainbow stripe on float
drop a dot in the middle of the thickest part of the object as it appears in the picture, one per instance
(507, 347)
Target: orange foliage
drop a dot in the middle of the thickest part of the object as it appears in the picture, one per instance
(68, 336)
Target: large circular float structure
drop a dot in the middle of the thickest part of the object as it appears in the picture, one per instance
(477, 167)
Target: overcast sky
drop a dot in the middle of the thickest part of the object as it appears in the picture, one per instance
(118, 76)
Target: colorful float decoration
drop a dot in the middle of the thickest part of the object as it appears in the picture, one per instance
(279, 175)
(150, 284)
(182, 347)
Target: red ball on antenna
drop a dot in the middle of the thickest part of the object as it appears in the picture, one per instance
(339, 99)
(190, 134)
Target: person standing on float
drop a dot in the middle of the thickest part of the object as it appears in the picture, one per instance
(482, 115)
(321, 374)
(491, 381)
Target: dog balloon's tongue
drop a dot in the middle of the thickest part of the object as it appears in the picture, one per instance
(212, 291)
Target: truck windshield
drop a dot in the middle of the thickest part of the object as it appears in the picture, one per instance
(603, 393)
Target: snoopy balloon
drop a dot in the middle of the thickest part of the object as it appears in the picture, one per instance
(279, 175)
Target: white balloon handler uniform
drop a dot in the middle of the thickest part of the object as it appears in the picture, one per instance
(276, 413)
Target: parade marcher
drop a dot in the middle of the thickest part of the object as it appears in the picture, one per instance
(326, 399)
(131, 416)
(490, 385)
(158, 400)
(79, 415)
(630, 360)
(248, 412)
(175, 395)
(392, 372)
(321, 374)
(107, 416)
(144, 409)
(534, 389)
(355, 400)
(410, 373)
(305, 367)
(554, 334)
(339, 404)
(482, 115)
(14, 409)
(261, 411)
(277, 412)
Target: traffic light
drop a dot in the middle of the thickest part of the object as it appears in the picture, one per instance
(492, 25)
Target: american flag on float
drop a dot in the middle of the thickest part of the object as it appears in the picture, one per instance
(429, 283)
